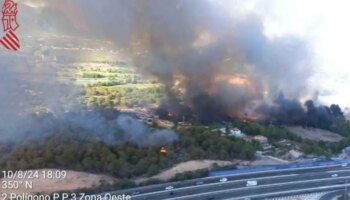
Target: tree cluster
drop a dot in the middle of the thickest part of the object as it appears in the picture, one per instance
(67, 149)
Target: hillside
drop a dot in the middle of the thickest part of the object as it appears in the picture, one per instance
(315, 134)
(75, 150)
(186, 167)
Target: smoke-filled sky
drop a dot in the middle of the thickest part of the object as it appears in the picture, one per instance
(315, 34)
(319, 28)
(324, 25)
(225, 61)
(225, 55)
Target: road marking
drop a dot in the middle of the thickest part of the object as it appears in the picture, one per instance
(228, 182)
(215, 177)
(216, 183)
(259, 186)
(340, 170)
(290, 191)
(276, 170)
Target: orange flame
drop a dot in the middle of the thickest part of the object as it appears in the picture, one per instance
(163, 150)
(233, 80)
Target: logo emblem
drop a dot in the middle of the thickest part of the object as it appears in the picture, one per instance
(9, 21)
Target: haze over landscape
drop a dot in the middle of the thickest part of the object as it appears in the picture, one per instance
(320, 24)
(142, 90)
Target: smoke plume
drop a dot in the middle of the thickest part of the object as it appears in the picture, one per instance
(223, 64)
(36, 103)
(138, 133)
(283, 111)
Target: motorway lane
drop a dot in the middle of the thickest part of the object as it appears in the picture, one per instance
(241, 193)
(209, 180)
(239, 185)
(291, 193)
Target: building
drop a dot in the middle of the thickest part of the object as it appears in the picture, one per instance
(233, 132)
(236, 133)
(261, 139)
(285, 142)
(294, 154)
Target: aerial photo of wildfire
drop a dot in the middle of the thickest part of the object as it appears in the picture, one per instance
(114, 95)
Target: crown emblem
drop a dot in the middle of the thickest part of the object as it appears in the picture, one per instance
(9, 8)
(9, 20)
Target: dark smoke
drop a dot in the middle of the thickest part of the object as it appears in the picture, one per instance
(224, 65)
(291, 112)
(283, 111)
(179, 111)
(322, 116)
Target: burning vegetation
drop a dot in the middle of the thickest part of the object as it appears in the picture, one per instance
(214, 67)
(223, 65)
(163, 150)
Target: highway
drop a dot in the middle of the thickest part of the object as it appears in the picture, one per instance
(270, 184)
